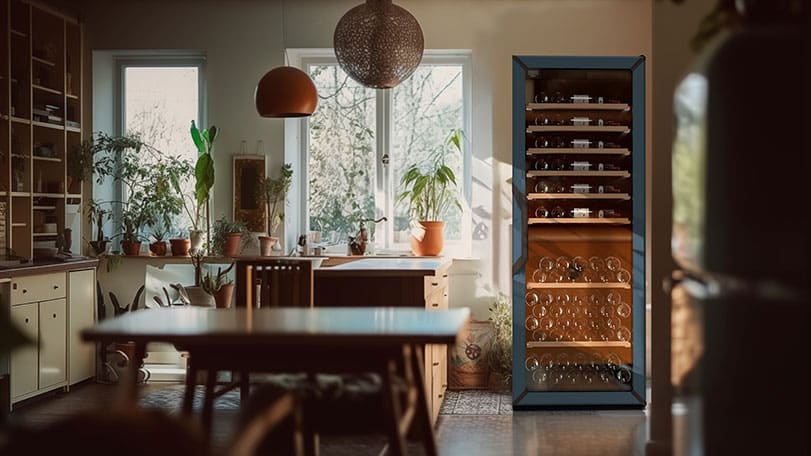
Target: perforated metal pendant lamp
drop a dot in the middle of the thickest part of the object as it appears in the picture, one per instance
(285, 92)
(378, 44)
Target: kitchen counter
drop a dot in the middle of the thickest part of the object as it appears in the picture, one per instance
(46, 266)
(402, 281)
(385, 267)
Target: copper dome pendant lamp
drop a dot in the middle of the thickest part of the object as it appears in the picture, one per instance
(378, 44)
(285, 91)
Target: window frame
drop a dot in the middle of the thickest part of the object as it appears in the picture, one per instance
(384, 185)
(157, 60)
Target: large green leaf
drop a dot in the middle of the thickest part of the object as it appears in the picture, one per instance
(204, 175)
(198, 140)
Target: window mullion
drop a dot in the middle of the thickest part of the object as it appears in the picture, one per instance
(384, 201)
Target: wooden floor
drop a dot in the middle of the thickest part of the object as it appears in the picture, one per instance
(619, 433)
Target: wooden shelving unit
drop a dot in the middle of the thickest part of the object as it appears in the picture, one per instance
(579, 221)
(578, 107)
(581, 151)
(577, 285)
(581, 344)
(578, 129)
(41, 80)
(623, 174)
(578, 196)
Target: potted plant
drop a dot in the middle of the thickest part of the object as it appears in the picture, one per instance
(158, 247)
(227, 237)
(431, 192)
(203, 170)
(132, 219)
(272, 193)
(500, 356)
(97, 215)
(220, 286)
(197, 295)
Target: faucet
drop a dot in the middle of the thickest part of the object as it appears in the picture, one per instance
(357, 244)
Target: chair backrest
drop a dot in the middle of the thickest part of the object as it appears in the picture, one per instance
(274, 282)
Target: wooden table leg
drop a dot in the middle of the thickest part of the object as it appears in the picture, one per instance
(422, 417)
(129, 382)
(208, 400)
(191, 386)
(392, 407)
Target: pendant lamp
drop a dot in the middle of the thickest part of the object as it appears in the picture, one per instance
(285, 92)
(378, 44)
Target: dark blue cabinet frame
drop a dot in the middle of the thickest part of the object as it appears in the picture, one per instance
(522, 397)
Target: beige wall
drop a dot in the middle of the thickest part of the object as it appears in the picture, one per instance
(244, 39)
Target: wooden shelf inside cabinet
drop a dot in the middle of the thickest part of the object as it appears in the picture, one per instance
(48, 195)
(578, 174)
(20, 120)
(73, 129)
(46, 89)
(72, 96)
(47, 125)
(19, 225)
(42, 61)
(73, 196)
(18, 34)
(580, 343)
(579, 128)
(579, 151)
(576, 221)
(572, 285)
(578, 107)
(44, 208)
(21, 194)
(44, 234)
(579, 196)
(49, 159)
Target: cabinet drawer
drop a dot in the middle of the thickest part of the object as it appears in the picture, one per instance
(42, 287)
(435, 283)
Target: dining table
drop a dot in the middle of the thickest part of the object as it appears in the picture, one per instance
(387, 341)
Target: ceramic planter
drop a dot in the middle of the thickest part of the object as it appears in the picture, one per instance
(158, 248)
(199, 297)
(231, 245)
(131, 248)
(180, 247)
(196, 239)
(428, 238)
(222, 297)
(266, 244)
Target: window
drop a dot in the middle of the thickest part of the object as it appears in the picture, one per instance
(360, 141)
(159, 99)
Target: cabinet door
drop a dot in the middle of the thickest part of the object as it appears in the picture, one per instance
(24, 366)
(52, 339)
(81, 315)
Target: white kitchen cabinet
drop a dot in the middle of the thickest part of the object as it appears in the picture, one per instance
(25, 360)
(52, 308)
(81, 315)
(52, 336)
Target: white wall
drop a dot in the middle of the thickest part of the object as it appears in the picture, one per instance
(243, 39)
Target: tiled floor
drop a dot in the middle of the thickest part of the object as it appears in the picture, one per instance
(471, 423)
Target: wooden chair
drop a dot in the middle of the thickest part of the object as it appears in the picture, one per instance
(260, 282)
(274, 282)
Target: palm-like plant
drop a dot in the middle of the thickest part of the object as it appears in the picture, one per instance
(204, 169)
(431, 191)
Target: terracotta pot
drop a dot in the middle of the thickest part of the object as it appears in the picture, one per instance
(180, 247)
(230, 247)
(428, 238)
(199, 297)
(131, 248)
(222, 297)
(158, 248)
(266, 244)
(196, 239)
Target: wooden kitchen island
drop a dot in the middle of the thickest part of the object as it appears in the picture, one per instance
(396, 282)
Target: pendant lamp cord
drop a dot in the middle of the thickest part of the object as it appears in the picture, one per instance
(284, 36)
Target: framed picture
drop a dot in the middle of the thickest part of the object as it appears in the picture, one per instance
(249, 171)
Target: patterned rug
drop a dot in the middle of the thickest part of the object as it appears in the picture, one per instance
(459, 402)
